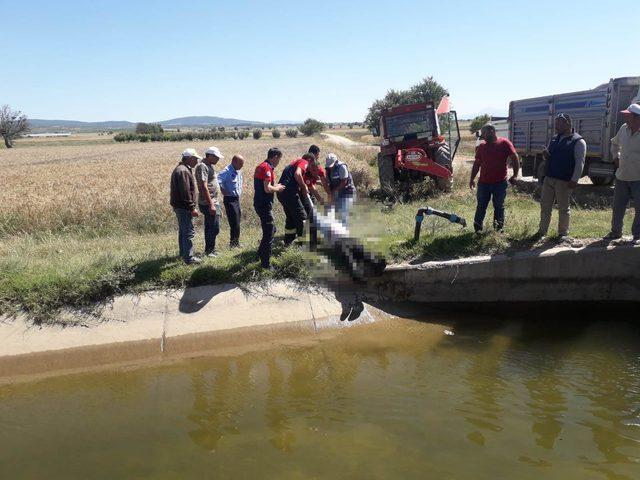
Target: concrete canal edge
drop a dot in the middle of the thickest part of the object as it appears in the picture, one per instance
(134, 329)
(158, 326)
(594, 273)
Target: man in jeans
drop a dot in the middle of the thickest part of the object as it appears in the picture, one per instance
(563, 168)
(230, 180)
(341, 185)
(208, 198)
(183, 201)
(492, 159)
(625, 150)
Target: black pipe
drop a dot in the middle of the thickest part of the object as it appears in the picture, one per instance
(452, 217)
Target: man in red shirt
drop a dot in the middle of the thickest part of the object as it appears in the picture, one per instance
(492, 160)
(265, 186)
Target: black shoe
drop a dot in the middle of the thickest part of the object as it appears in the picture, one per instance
(612, 236)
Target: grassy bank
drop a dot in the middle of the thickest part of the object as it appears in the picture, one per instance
(79, 223)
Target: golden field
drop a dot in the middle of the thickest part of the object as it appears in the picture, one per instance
(120, 187)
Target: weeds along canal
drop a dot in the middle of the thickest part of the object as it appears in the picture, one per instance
(431, 396)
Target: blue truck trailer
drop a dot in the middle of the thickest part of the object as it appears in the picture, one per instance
(596, 117)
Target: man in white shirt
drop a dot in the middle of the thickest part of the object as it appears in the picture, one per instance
(625, 150)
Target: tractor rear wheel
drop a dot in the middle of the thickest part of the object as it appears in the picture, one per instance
(602, 181)
(386, 173)
(443, 157)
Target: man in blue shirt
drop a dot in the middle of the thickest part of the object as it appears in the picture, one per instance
(230, 180)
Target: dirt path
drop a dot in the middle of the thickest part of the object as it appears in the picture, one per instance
(347, 142)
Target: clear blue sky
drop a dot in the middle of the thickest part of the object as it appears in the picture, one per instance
(154, 60)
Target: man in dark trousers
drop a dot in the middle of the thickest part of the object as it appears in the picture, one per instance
(183, 200)
(563, 168)
(208, 198)
(265, 186)
(296, 194)
(230, 180)
(492, 160)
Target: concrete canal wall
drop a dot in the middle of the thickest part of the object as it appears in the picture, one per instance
(564, 274)
(157, 326)
(134, 329)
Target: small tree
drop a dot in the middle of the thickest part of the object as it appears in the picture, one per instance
(478, 122)
(291, 132)
(148, 128)
(311, 126)
(257, 133)
(13, 123)
(427, 90)
(275, 133)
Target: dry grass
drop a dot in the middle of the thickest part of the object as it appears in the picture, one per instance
(118, 187)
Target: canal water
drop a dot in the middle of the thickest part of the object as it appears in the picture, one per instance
(480, 398)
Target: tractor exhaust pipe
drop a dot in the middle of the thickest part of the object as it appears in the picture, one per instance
(422, 212)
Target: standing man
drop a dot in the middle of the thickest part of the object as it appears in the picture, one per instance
(183, 201)
(295, 194)
(563, 168)
(341, 186)
(625, 149)
(208, 198)
(264, 185)
(492, 160)
(230, 179)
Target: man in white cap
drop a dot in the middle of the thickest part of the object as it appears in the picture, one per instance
(183, 200)
(208, 198)
(341, 185)
(625, 150)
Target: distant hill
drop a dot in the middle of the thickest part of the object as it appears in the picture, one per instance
(205, 121)
(284, 122)
(197, 121)
(117, 124)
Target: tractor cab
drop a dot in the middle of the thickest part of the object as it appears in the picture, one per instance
(416, 142)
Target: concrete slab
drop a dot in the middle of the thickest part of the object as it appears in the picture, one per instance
(562, 274)
(158, 325)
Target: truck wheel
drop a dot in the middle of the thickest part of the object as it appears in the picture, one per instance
(602, 181)
(443, 157)
(386, 174)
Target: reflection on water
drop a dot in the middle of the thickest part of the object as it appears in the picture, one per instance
(394, 399)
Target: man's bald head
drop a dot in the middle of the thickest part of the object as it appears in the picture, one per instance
(488, 133)
(237, 161)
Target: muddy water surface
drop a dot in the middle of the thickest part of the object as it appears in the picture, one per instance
(395, 399)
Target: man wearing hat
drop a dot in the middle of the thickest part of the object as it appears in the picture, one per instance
(208, 198)
(183, 200)
(563, 168)
(341, 186)
(625, 150)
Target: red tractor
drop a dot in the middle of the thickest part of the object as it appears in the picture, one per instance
(416, 143)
